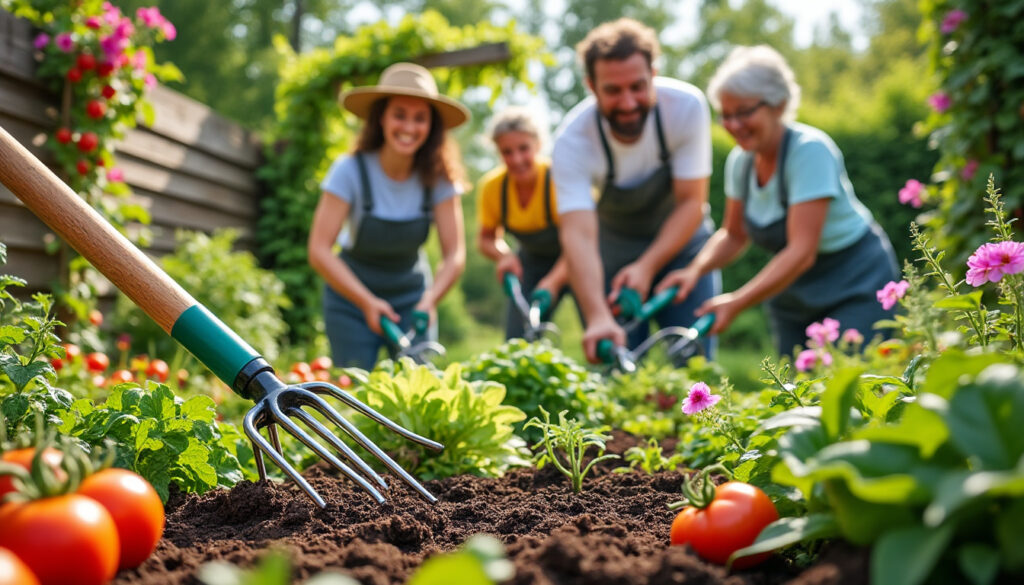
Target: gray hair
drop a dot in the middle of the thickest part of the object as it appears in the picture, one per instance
(760, 72)
(515, 119)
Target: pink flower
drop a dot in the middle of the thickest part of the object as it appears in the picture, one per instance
(93, 22)
(41, 41)
(699, 398)
(806, 359)
(169, 31)
(149, 81)
(990, 262)
(969, 169)
(149, 16)
(952, 20)
(821, 333)
(139, 60)
(853, 337)
(111, 13)
(940, 101)
(64, 42)
(115, 175)
(911, 193)
(892, 292)
(826, 358)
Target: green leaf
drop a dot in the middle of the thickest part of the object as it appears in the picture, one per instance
(907, 556)
(919, 426)
(786, 531)
(1007, 532)
(199, 408)
(959, 488)
(979, 562)
(985, 417)
(837, 401)
(461, 567)
(21, 375)
(11, 335)
(952, 368)
(968, 302)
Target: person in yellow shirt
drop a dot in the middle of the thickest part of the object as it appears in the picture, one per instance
(519, 198)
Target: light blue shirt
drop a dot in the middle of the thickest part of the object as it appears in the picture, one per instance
(392, 200)
(814, 170)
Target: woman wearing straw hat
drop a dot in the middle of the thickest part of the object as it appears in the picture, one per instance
(519, 198)
(403, 175)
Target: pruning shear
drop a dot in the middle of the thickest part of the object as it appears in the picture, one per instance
(404, 341)
(534, 312)
(683, 341)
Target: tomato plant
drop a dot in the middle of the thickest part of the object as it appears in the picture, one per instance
(23, 458)
(135, 508)
(74, 530)
(721, 520)
(13, 571)
(158, 369)
(120, 377)
(97, 362)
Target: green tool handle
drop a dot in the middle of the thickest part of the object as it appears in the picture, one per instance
(420, 321)
(629, 302)
(703, 324)
(391, 330)
(606, 351)
(510, 283)
(541, 298)
(656, 303)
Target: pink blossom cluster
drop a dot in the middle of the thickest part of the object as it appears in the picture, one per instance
(853, 337)
(809, 358)
(969, 170)
(910, 194)
(821, 334)
(892, 292)
(992, 261)
(952, 21)
(699, 398)
(940, 101)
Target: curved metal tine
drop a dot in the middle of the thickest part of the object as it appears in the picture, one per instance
(345, 450)
(676, 332)
(261, 444)
(329, 411)
(296, 431)
(254, 419)
(360, 406)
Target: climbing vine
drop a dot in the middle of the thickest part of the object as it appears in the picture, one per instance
(310, 129)
(977, 118)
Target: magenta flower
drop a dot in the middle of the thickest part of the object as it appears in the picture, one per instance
(940, 101)
(969, 170)
(911, 193)
(853, 337)
(41, 41)
(892, 292)
(64, 42)
(170, 32)
(139, 60)
(150, 17)
(821, 333)
(808, 358)
(93, 22)
(990, 262)
(111, 13)
(952, 20)
(826, 358)
(149, 81)
(115, 175)
(699, 398)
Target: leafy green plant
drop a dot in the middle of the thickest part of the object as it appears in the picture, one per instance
(26, 336)
(468, 418)
(646, 402)
(650, 458)
(573, 440)
(230, 283)
(538, 375)
(273, 569)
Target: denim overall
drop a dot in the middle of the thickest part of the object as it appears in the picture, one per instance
(628, 222)
(538, 252)
(840, 284)
(385, 256)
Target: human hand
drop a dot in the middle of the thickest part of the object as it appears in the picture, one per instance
(374, 309)
(603, 328)
(684, 279)
(635, 276)
(509, 263)
(426, 305)
(725, 307)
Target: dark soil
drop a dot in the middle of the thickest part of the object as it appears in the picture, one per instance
(613, 533)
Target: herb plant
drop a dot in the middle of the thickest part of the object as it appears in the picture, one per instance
(650, 458)
(573, 440)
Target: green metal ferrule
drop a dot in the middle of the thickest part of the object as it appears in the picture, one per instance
(606, 351)
(703, 324)
(213, 343)
(629, 302)
(510, 282)
(542, 299)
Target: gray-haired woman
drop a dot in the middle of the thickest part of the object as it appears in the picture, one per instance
(787, 191)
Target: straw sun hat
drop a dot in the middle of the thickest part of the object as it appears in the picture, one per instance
(406, 79)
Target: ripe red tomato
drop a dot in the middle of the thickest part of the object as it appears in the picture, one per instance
(301, 368)
(97, 362)
(120, 377)
(23, 458)
(732, 521)
(95, 109)
(344, 381)
(88, 141)
(96, 317)
(85, 61)
(158, 369)
(321, 363)
(13, 571)
(64, 539)
(135, 507)
(72, 351)
(63, 135)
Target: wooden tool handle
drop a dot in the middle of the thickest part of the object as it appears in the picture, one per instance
(93, 237)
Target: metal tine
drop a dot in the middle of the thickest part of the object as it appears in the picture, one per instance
(329, 411)
(261, 444)
(346, 451)
(296, 431)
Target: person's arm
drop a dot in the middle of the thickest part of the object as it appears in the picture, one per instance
(728, 242)
(331, 213)
(804, 225)
(687, 215)
(448, 217)
(556, 278)
(492, 244)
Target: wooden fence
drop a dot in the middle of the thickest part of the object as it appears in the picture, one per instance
(192, 169)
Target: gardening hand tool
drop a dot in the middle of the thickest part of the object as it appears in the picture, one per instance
(205, 336)
(683, 341)
(404, 342)
(533, 312)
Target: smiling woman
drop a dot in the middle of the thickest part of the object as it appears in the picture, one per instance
(403, 176)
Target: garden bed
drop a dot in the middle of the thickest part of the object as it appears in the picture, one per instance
(614, 532)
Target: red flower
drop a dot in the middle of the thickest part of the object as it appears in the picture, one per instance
(95, 109)
(74, 75)
(108, 92)
(63, 135)
(86, 62)
(88, 141)
(83, 167)
(104, 69)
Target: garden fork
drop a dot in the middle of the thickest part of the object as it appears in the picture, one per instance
(204, 335)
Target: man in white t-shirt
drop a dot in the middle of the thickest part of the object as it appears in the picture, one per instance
(631, 165)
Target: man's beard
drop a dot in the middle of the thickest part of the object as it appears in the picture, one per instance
(628, 129)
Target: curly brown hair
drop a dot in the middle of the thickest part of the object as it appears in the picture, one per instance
(438, 156)
(618, 40)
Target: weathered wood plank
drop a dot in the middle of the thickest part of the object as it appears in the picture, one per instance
(16, 47)
(195, 124)
(142, 143)
(27, 102)
(142, 174)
